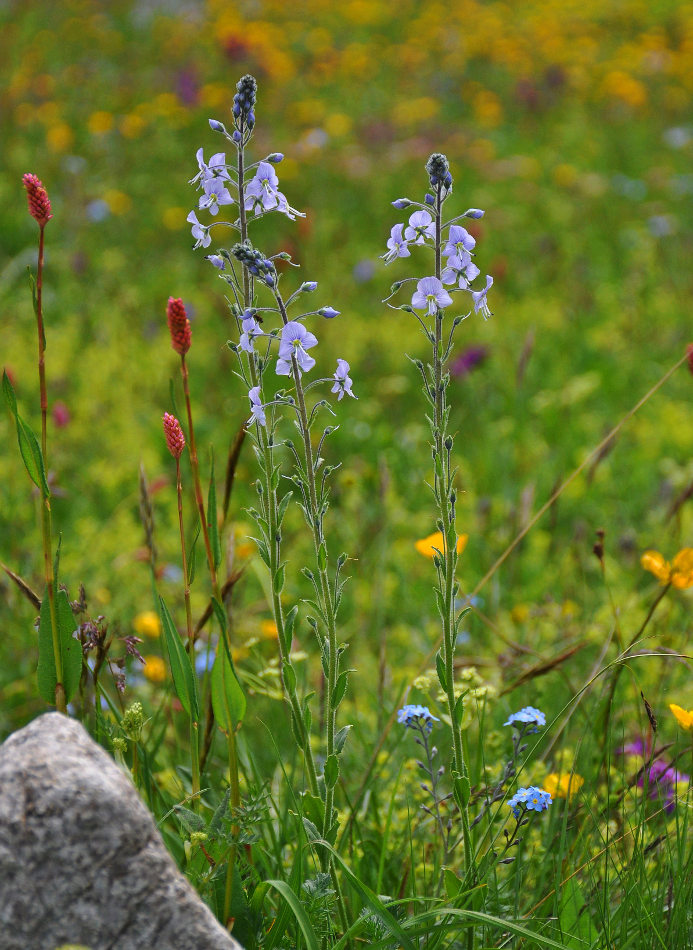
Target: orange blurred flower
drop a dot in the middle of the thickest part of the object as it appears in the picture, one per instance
(679, 573)
(427, 546)
(154, 669)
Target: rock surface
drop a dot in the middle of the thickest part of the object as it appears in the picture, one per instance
(81, 860)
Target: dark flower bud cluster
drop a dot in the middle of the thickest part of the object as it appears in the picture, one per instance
(255, 263)
(439, 170)
(244, 100)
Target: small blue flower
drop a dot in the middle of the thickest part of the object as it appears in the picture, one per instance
(199, 231)
(414, 717)
(329, 312)
(256, 407)
(479, 297)
(529, 799)
(420, 227)
(529, 716)
(217, 260)
(343, 381)
(251, 329)
(396, 245)
(295, 340)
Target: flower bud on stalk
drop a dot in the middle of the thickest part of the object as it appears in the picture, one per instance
(39, 202)
(175, 440)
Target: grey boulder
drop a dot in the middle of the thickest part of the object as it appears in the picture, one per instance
(81, 860)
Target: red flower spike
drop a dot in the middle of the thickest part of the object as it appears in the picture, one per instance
(178, 325)
(689, 354)
(175, 440)
(39, 202)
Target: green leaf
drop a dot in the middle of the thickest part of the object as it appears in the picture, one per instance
(279, 578)
(461, 789)
(191, 553)
(212, 521)
(440, 668)
(340, 689)
(70, 649)
(289, 622)
(228, 698)
(289, 677)
(216, 825)
(181, 668)
(189, 820)
(459, 709)
(331, 771)
(322, 556)
(452, 883)
(281, 508)
(298, 912)
(220, 614)
(341, 738)
(29, 447)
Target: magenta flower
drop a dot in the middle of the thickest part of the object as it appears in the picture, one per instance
(430, 295)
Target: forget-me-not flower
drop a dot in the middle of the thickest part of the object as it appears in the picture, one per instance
(529, 716)
(295, 340)
(529, 799)
(343, 381)
(430, 295)
(413, 717)
(420, 227)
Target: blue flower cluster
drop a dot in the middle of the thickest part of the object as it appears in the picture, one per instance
(416, 717)
(529, 799)
(526, 717)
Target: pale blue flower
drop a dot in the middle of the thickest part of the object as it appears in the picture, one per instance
(256, 407)
(461, 269)
(479, 297)
(414, 717)
(295, 340)
(459, 241)
(251, 329)
(529, 799)
(397, 246)
(430, 295)
(420, 227)
(216, 167)
(217, 260)
(215, 194)
(199, 231)
(343, 381)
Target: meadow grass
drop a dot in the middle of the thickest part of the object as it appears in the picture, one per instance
(568, 126)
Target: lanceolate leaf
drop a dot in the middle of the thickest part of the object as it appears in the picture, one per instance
(28, 443)
(181, 669)
(228, 698)
(70, 649)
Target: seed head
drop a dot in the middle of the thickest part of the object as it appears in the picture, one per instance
(178, 325)
(175, 440)
(39, 202)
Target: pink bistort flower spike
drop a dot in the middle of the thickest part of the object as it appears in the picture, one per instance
(39, 202)
(179, 325)
(175, 440)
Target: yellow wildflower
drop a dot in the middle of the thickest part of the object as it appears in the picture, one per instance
(268, 629)
(426, 545)
(679, 573)
(154, 669)
(563, 785)
(148, 624)
(684, 718)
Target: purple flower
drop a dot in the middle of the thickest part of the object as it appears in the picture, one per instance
(473, 213)
(217, 260)
(199, 231)
(420, 227)
(479, 297)
(217, 166)
(216, 194)
(401, 203)
(251, 329)
(262, 193)
(459, 241)
(343, 381)
(430, 295)
(256, 407)
(662, 781)
(328, 312)
(295, 340)
(397, 246)
(308, 286)
(461, 269)
(468, 360)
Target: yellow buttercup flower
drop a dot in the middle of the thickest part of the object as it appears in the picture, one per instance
(679, 573)
(148, 624)
(563, 785)
(426, 545)
(154, 669)
(684, 718)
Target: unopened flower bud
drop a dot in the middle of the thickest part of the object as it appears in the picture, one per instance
(216, 126)
(237, 137)
(473, 213)
(401, 203)
(328, 312)
(217, 260)
(178, 325)
(275, 158)
(430, 199)
(308, 286)
(133, 721)
(175, 440)
(438, 169)
(39, 202)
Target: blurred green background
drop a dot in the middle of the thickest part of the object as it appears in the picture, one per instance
(569, 123)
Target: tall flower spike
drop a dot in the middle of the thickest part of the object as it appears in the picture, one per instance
(438, 170)
(244, 100)
(39, 202)
(178, 325)
(175, 440)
